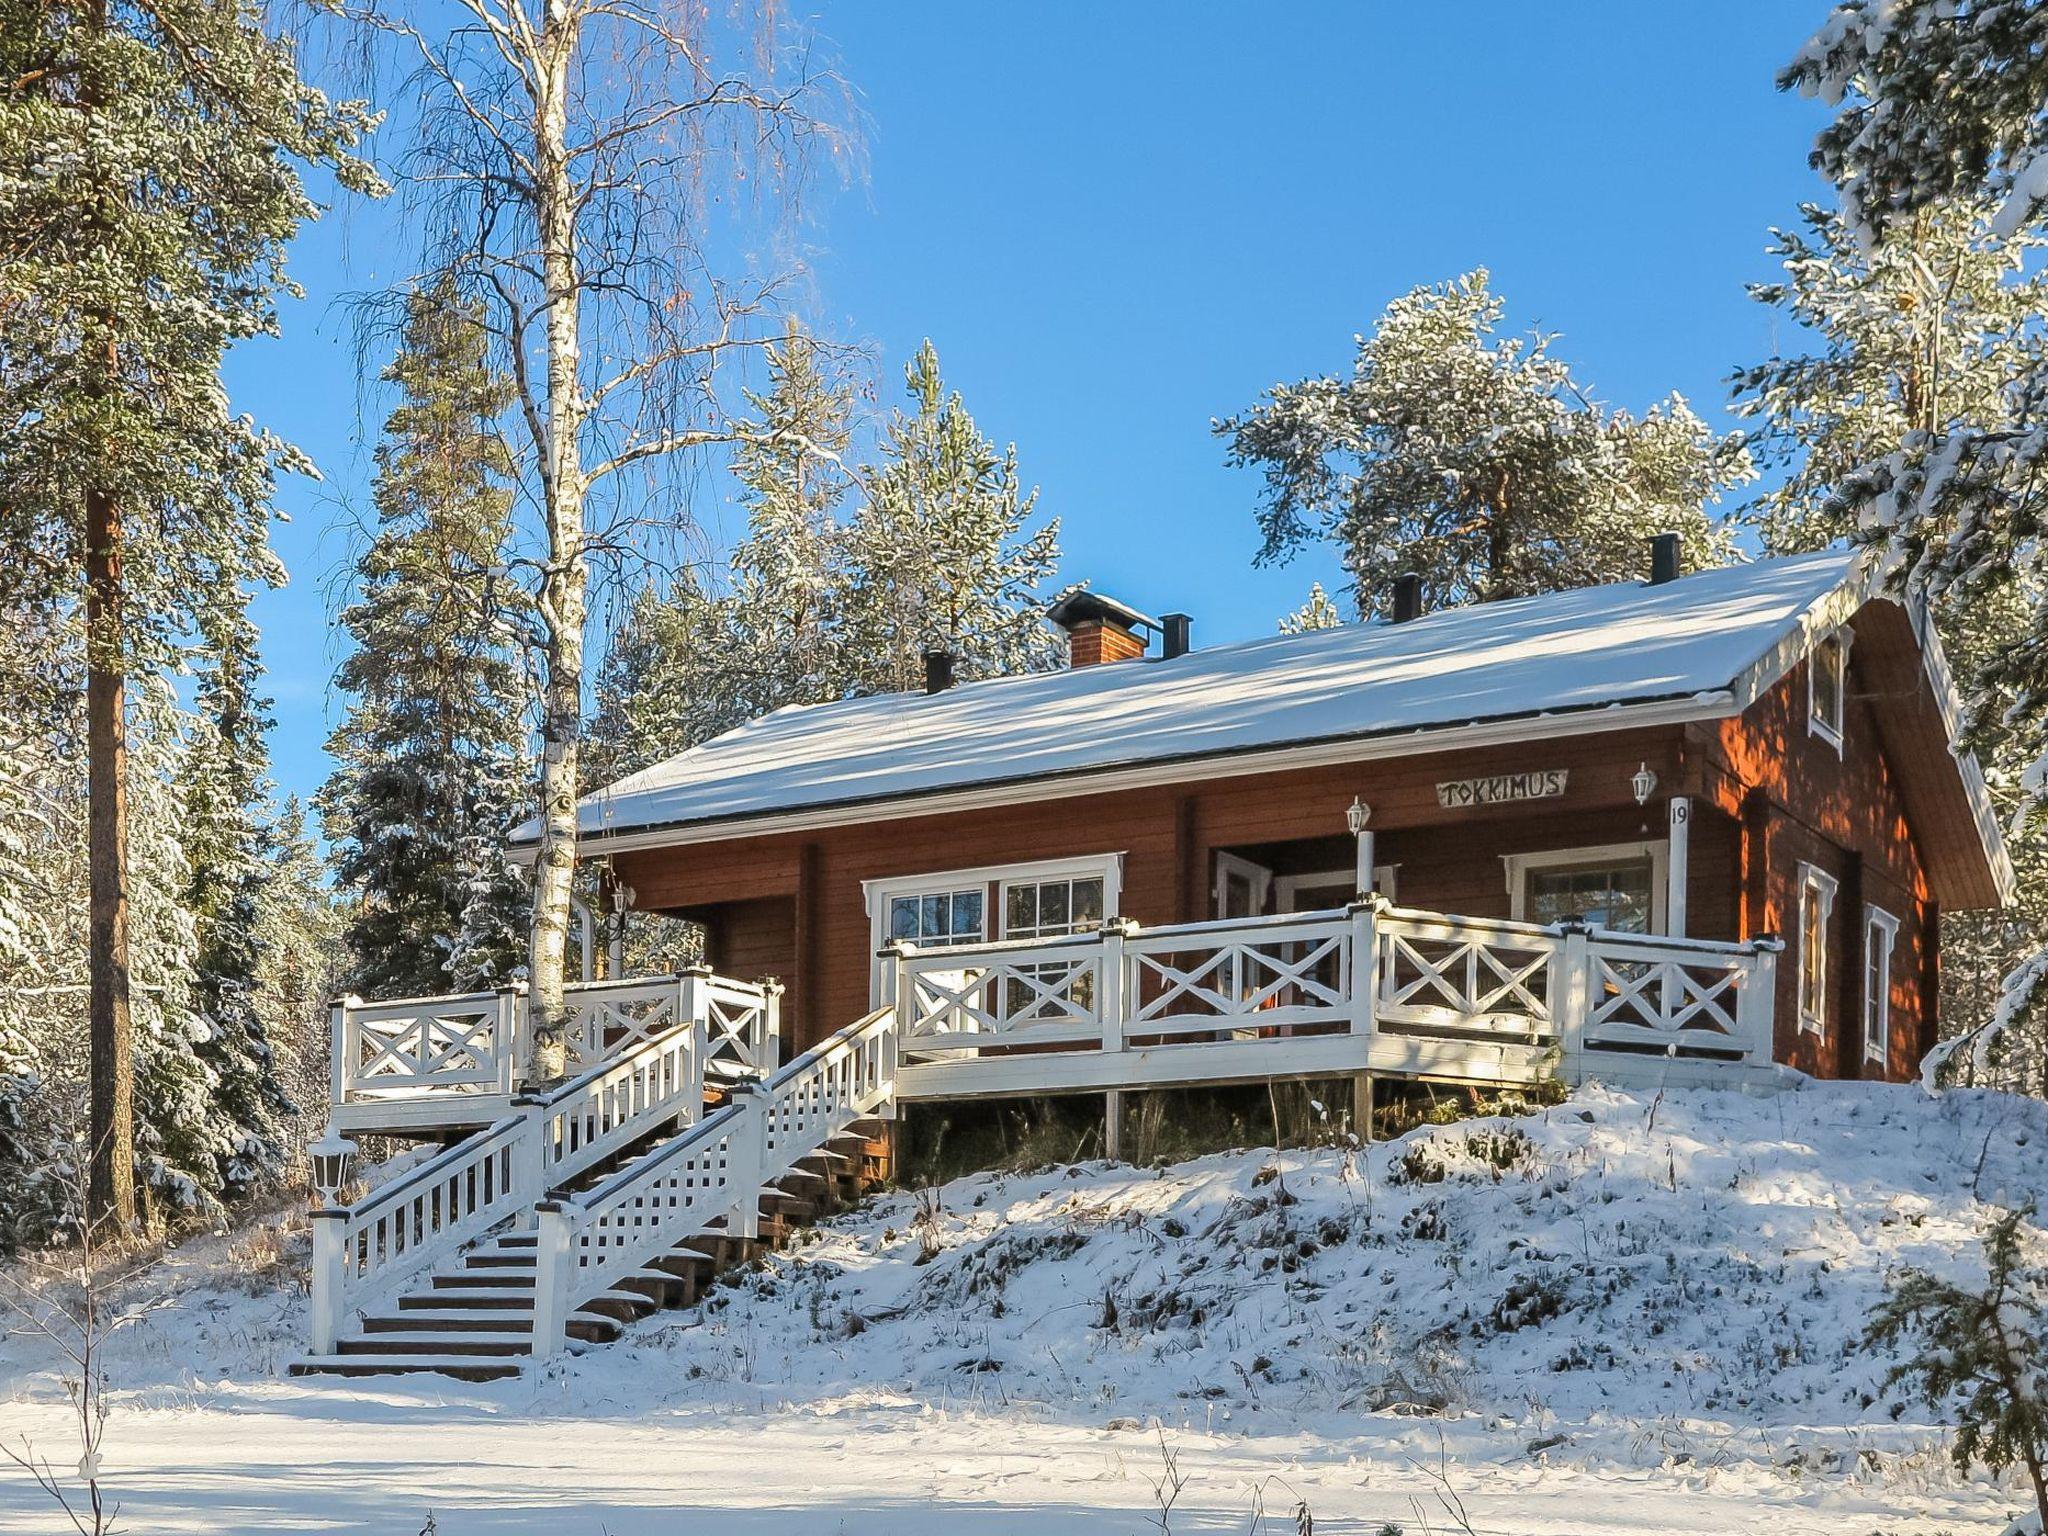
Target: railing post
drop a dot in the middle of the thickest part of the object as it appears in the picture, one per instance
(746, 1160)
(330, 1241)
(1365, 962)
(1757, 1004)
(770, 1054)
(341, 1048)
(1114, 1002)
(1571, 1000)
(551, 1237)
(509, 1035)
(530, 1161)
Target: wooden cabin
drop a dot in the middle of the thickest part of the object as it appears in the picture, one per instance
(1751, 774)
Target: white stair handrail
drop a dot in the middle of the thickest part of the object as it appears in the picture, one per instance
(709, 1178)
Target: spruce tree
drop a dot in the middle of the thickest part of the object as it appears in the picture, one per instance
(149, 184)
(1941, 325)
(1319, 612)
(941, 553)
(431, 753)
(226, 791)
(1475, 461)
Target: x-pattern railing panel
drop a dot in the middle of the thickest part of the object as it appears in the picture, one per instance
(738, 1020)
(1234, 979)
(950, 998)
(1475, 979)
(450, 1045)
(1669, 996)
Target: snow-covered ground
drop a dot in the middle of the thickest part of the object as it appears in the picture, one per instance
(1624, 1314)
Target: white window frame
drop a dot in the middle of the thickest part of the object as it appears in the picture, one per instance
(1656, 849)
(1877, 1004)
(1256, 875)
(1818, 884)
(878, 893)
(1042, 877)
(1384, 877)
(1833, 732)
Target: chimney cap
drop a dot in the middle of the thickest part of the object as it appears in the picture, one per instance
(1077, 606)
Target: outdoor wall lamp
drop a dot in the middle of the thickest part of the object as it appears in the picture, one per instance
(1644, 784)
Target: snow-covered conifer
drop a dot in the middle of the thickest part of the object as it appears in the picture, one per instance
(942, 552)
(1941, 325)
(1476, 461)
(1319, 612)
(432, 763)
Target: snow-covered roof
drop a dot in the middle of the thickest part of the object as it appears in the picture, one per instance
(1595, 658)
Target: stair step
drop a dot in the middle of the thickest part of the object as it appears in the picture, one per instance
(464, 1367)
(438, 1342)
(447, 1320)
(509, 1300)
(482, 1277)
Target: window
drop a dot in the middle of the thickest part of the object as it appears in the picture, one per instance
(1827, 687)
(1620, 886)
(1880, 935)
(1816, 906)
(938, 917)
(970, 906)
(1040, 909)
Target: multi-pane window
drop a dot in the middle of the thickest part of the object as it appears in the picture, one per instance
(939, 917)
(1046, 909)
(1816, 906)
(1827, 688)
(1880, 935)
(1039, 909)
(1610, 895)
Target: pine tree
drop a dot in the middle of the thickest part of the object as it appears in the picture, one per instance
(1939, 103)
(941, 554)
(1476, 462)
(1942, 324)
(431, 753)
(149, 183)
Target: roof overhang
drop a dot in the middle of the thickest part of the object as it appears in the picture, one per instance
(1163, 770)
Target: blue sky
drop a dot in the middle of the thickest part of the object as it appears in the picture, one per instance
(1119, 221)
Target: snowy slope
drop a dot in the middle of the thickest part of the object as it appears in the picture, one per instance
(1644, 1307)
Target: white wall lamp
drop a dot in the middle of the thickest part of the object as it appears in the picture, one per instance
(1644, 783)
(1356, 815)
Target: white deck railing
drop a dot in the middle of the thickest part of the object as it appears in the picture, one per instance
(664, 1038)
(478, 1043)
(1595, 996)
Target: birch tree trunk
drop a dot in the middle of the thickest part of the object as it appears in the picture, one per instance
(565, 580)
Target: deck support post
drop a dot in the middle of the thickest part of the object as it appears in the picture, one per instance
(1362, 1106)
(330, 1231)
(550, 1279)
(771, 1025)
(1113, 1126)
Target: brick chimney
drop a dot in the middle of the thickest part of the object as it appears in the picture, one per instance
(1099, 628)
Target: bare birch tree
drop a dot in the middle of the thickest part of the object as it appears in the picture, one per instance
(583, 169)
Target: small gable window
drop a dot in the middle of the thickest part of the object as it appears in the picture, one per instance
(1816, 906)
(1827, 687)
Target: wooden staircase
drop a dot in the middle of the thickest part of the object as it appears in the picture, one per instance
(472, 1317)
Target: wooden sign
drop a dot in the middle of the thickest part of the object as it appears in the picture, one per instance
(1502, 788)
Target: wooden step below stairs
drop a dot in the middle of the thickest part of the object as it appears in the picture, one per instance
(473, 1319)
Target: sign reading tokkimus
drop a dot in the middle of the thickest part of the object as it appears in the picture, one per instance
(1502, 788)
